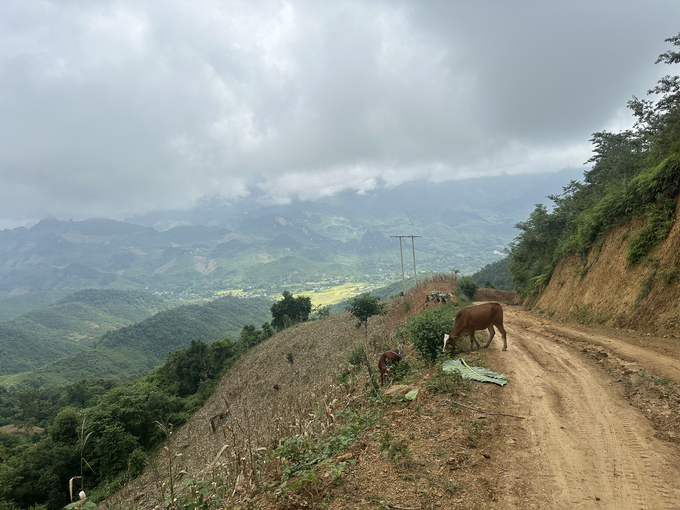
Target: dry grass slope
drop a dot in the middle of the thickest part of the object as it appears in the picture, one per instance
(286, 386)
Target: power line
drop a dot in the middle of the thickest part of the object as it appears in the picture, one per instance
(413, 247)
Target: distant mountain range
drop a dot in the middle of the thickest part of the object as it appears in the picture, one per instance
(462, 225)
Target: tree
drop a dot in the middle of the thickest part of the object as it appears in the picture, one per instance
(65, 427)
(296, 308)
(658, 122)
(468, 286)
(365, 306)
(267, 331)
(249, 337)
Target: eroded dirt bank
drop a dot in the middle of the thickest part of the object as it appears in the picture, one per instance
(606, 289)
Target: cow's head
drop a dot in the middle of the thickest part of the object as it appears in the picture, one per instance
(450, 342)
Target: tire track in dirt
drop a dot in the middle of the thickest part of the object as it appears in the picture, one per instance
(658, 363)
(593, 448)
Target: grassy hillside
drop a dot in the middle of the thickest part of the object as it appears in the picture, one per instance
(131, 351)
(69, 326)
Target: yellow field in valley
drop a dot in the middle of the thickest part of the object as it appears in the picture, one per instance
(336, 294)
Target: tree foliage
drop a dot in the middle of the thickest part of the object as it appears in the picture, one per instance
(468, 286)
(497, 273)
(120, 422)
(635, 174)
(365, 306)
(296, 309)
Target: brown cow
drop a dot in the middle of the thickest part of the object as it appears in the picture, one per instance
(471, 319)
(393, 356)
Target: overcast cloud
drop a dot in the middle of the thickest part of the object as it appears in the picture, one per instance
(109, 108)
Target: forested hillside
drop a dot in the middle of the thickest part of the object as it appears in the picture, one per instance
(122, 423)
(134, 350)
(69, 326)
(635, 178)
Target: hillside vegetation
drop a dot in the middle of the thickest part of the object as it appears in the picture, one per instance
(629, 198)
(283, 427)
(118, 424)
(133, 350)
(69, 326)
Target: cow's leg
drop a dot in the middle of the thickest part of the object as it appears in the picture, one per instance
(492, 332)
(473, 342)
(505, 338)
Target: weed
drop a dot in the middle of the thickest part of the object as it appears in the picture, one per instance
(302, 453)
(344, 377)
(475, 432)
(582, 315)
(399, 370)
(336, 472)
(356, 356)
(452, 487)
(451, 383)
(647, 283)
(669, 275)
(395, 449)
(201, 495)
(289, 357)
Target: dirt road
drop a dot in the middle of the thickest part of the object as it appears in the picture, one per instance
(584, 444)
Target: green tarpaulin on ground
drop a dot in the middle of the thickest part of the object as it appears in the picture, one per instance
(476, 373)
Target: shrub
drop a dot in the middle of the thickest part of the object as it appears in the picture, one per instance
(669, 275)
(427, 330)
(468, 286)
(356, 355)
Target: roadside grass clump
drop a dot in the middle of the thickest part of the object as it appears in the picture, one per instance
(583, 315)
(668, 388)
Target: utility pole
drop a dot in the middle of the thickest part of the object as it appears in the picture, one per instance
(401, 253)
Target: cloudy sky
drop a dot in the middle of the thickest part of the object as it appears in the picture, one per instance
(110, 108)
